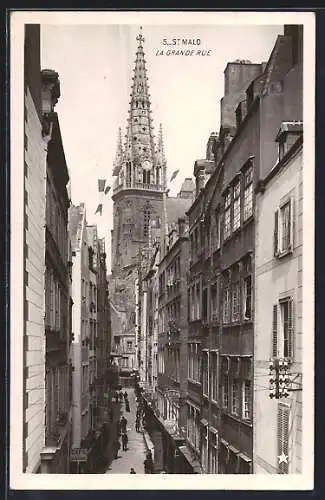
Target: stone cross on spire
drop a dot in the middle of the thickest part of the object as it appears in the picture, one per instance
(140, 38)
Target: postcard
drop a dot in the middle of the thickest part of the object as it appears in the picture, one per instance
(162, 226)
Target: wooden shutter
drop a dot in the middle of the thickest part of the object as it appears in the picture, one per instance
(283, 437)
(291, 222)
(275, 331)
(276, 233)
(290, 328)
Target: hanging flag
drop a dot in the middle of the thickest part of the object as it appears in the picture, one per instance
(99, 209)
(107, 189)
(101, 185)
(174, 174)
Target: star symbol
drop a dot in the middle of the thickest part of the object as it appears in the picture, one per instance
(283, 458)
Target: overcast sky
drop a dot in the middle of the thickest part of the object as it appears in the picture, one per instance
(95, 64)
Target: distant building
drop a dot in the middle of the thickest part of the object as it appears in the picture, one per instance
(165, 306)
(81, 442)
(55, 455)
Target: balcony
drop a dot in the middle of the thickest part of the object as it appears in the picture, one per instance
(140, 186)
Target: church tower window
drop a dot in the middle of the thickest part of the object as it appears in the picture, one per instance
(146, 177)
(147, 215)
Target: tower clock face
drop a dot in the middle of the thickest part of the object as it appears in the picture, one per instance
(146, 165)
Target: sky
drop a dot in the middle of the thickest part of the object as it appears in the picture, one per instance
(95, 65)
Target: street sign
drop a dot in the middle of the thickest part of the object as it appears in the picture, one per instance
(78, 455)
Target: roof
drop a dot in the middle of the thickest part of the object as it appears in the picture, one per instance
(188, 185)
(206, 165)
(290, 126)
(76, 216)
(176, 208)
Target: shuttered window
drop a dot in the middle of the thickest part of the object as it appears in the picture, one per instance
(275, 331)
(283, 438)
(276, 233)
(283, 334)
(287, 327)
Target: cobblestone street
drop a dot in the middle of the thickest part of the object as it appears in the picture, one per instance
(134, 456)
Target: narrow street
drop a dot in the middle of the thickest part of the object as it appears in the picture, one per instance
(134, 456)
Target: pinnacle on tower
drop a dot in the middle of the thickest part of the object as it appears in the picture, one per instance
(161, 150)
(119, 153)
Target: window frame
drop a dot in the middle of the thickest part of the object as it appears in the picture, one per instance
(248, 193)
(236, 205)
(235, 397)
(227, 225)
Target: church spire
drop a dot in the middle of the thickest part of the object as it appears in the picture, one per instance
(142, 167)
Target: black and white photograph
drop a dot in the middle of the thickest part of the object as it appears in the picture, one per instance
(162, 250)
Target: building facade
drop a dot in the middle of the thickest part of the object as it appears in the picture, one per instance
(33, 244)
(55, 456)
(222, 328)
(278, 304)
(81, 422)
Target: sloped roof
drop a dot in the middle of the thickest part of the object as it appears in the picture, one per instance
(188, 185)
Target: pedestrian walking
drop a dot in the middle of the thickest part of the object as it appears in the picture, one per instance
(137, 425)
(123, 424)
(117, 446)
(125, 395)
(127, 406)
(125, 440)
(116, 397)
(132, 471)
(121, 396)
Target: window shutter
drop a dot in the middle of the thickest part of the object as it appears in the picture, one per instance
(275, 331)
(276, 233)
(290, 328)
(283, 437)
(291, 224)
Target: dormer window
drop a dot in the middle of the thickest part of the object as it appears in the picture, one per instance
(287, 136)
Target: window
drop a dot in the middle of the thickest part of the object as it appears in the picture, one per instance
(129, 345)
(235, 311)
(214, 302)
(227, 216)
(283, 437)
(213, 452)
(283, 229)
(236, 219)
(204, 450)
(247, 298)
(246, 401)
(214, 376)
(205, 373)
(146, 177)
(194, 362)
(226, 305)
(248, 193)
(235, 397)
(225, 391)
(282, 333)
(198, 300)
(146, 215)
(217, 229)
(193, 430)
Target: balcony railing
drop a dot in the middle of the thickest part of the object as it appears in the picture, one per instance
(138, 185)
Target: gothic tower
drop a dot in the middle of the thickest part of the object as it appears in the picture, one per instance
(140, 171)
